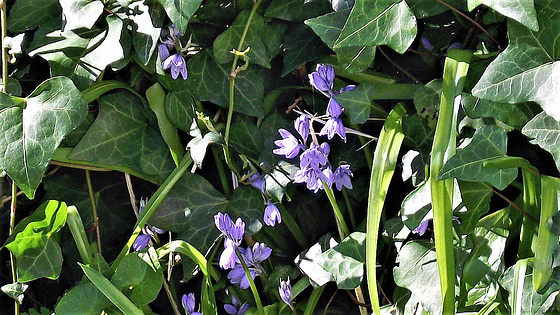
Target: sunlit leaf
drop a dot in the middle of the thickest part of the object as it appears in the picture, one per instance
(346, 260)
(80, 13)
(180, 12)
(523, 11)
(544, 130)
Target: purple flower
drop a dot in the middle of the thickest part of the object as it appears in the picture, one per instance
(333, 126)
(258, 181)
(423, 227)
(234, 235)
(272, 214)
(236, 308)
(347, 88)
(426, 43)
(163, 51)
(177, 64)
(312, 177)
(341, 177)
(237, 276)
(333, 108)
(323, 79)
(141, 242)
(253, 257)
(302, 126)
(256, 255)
(285, 291)
(189, 304)
(288, 146)
(315, 156)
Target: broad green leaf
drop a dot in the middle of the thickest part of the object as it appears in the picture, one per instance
(485, 262)
(358, 102)
(418, 132)
(528, 70)
(121, 135)
(417, 271)
(426, 8)
(308, 261)
(246, 139)
(15, 290)
(83, 59)
(34, 242)
(487, 143)
(346, 260)
(247, 203)
(140, 282)
(180, 11)
(230, 38)
(515, 115)
(523, 11)
(208, 81)
(83, 299)
(544, 130)
(179, 107)
(80, 13)
(146, 29)
(301, 45)
(328, 27)
(379, 22)
(296, 10)
(33, 130)
(26, 14)
(476, 197)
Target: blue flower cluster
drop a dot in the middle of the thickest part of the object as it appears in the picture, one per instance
(171, 38)
(314, 168)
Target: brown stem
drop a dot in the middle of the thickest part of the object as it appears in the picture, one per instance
(515, 206)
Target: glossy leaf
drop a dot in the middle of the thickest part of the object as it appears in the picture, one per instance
(34, 243)
(121, 124)
(528, 69)
(358, 102)
(515, 115)
(544, 130)
(423, 9)
(296, 10)
(379, 22)
(301, 45)
(146, 28)
(34, 129)
(80, 13)
(246, 139)
(308, 261)
(179, 107)
(139, 280)
(468, 163)
(346, 260)
(15, 290)
(522, 11)
(247, 203)
(26, 14)
(476, 196)
(83, 299)
(180, 12)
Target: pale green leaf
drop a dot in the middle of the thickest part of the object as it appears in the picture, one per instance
(80, 13)
(140, 282)
(346, 260)
(180, 11)
(523, 11)
(83, 299)
(545, 132)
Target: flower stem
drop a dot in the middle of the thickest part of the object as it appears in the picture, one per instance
(251, 283)
(340, 222)
(94, 211)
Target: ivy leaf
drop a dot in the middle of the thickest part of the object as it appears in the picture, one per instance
(515, 115)
(379, 22)
(422, 10)
(80, 13)
(15, 290)
(301, 45)
(529, 68)
(247, 204)
(545, 131)
(346, 260)
(84, 297)
(476, 197)
(146, 29)
(246, 138)
(487, 143)
(121, 124)
(308, 261)
(231, 37)
(523, 11)
(34, 129)
(34, 243)
(296, 10)
(26, 14)
(180, 11)
(357, 103)
(138, 280)
(179, 107)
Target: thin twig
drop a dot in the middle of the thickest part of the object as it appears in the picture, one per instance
(396, 65)
(329, 303)
(514, 205)
(131, 194)
(94, 210)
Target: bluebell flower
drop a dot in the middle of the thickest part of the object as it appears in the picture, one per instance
(163, 51)
(234, 236)
(341, 177)
(316, 156)
(272, 214)
(257, 181)
(253, 257)
(256, 255)
(141, 242)
(177, 64)
(333, 108)
(189, 304)
(148, 231)
(285, 291)
(302, 126)
(236, 308)
(426, 43)
(333, 126)
(237, 276)
(422, 228)
(322, 79)
(289, 146)
(312, 177)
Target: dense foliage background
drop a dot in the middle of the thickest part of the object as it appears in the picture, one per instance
(451, 133)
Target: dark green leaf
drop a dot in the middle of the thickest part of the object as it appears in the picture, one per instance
(301, 45)
(487, 143)
(523, 11)
(515, 115)
(121, 124)
(545, 131)
(527, 70)
(80, 13)
(379, 22)
(476, 196)
(179, 107)
(54, 108)
(37, 253)
(26, 14)
(247, 203)
(138, 280)
(296, 10)
(246, 139)
(83, 299)
(357, 103)
(427, 8)
(418, 133)
(346, 260)
(180, 11)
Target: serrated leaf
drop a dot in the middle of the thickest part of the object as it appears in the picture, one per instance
(121, 124)
(379, 22)
(301, 45)
(529, 68)
(346, 260)
(80, 13)
(468, 163)
(545, 132)
(180, 11)
(515, 115)
(141, 283)
(37, 253)
(230, 38)
(146, 29)
(357, 103)
(246, 138)
(26, 14)
(32, 131)
(523, 11)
